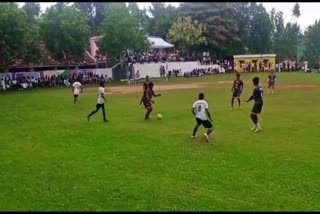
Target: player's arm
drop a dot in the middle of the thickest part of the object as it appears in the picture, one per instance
(242, 85)
(155, 95)
(193, 109)
(209, 115)
(102, 95)
(251, 98)
(232, 87)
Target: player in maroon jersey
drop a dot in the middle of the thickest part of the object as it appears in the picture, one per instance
(237, 89)
(271, 81)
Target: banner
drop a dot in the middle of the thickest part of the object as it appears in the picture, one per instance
(63, 73)
(27, 74)
(5, 75)
(50, 73)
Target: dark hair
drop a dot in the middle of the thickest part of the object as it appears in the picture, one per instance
(238, 74)
(201, 96)
(255, 80)
(102, 84)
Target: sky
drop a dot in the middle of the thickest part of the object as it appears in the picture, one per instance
(309, 11)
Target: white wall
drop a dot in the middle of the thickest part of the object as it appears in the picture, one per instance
(153, 69)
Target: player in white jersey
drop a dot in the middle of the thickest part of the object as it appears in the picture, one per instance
(76, 89)
(203, 117)
(100, 103)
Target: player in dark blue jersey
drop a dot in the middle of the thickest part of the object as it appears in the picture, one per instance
(237, 89)
(257, 96)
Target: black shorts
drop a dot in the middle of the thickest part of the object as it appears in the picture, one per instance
(206, 123)
(257, 108)
(236, 93)
(147, 104)
(98, 106)
(75, 95)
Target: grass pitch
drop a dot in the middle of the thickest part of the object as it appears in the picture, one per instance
(52, 158)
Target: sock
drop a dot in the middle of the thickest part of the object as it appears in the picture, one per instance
(258, 126)
(232, 100)
(195, 130)
(239, 102)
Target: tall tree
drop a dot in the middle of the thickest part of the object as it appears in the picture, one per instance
(65, 32)
(13, 30)
(95, 13)
(260, 28)
(33, 52)
(186, 33)
(120, 31)
(312, 44)
(32, 10)
(162, 18)
(278, 34)
(296, 10)
(217, 18)
(141, 15)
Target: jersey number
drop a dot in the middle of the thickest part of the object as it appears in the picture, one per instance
(199, 108)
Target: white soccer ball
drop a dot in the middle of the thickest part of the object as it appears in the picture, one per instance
(159, 116)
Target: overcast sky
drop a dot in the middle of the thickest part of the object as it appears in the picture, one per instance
(309, 11)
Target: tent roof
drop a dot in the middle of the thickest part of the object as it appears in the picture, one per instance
(157, 42)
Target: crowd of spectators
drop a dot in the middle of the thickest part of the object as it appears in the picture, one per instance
(198, 72)
(25, 82)
(131, 56)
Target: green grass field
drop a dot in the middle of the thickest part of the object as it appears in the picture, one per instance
(52, 158)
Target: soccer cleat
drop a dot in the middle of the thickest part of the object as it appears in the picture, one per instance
(88, 118)
(193, 136)
(106, 120)
(257, 130)
(253, 128)
(207, 137)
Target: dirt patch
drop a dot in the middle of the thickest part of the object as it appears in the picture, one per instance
(296, 86)
(135, 89)
(128, 89)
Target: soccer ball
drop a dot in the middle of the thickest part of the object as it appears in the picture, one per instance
(159, 116)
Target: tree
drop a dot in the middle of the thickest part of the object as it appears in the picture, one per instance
(218, 20)
(296, 10)
(65, 32)
(13, 28)
(120, 31)
(260, 28)
(162, 19)
(32, 52)
(278, 34)
(141, 15)
(312, 44)
(95, 13)
(32, 10)
(186, 33)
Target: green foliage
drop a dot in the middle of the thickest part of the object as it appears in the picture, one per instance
(32, 10)
(95, 13)
(186, 33)
(121, 30)
(216, 17)
(162, 19)
(65, 31)
(13, 32)
(296, 10)
(312, 44)
(259, 30)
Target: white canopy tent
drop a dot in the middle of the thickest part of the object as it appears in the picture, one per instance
(159, 43)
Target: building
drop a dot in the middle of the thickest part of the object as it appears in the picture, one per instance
(256, 62)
